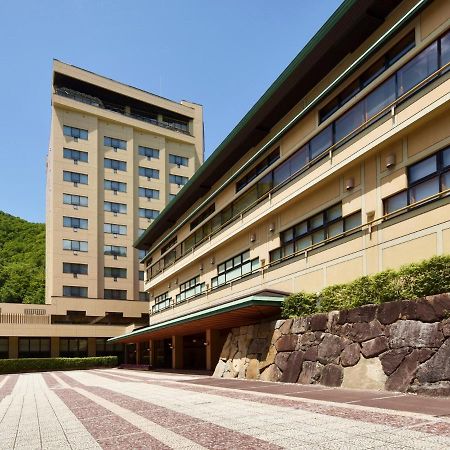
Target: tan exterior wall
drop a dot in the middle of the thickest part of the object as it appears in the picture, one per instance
(420, 127)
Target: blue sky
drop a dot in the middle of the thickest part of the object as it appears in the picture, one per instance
(223, 55)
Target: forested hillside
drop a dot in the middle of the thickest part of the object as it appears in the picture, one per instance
(22, 260)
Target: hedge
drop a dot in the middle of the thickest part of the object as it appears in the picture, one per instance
(46, 364)
(410, 282)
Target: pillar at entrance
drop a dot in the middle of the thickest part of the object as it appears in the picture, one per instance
(54, 347)
(152, 356)
(177, 352)
(13, 347)
(213, 348)
(138, 353)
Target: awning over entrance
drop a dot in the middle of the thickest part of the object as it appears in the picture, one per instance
(243, 311)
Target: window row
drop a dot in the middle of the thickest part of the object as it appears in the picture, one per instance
(178, 160)
(425, 179)
(76, 133)
(148, 152)
(75, 200)
(115, 272)
(114, 143)
(115, 164)
(116, 186)
(148, 193)
(75, 246)
(369, 75)
(235, 268)
(75, 268)
(75, 155)
(113, 228)
(162, 302)
(75, 222)
(190, 289)
(75, 177)
(178, 179)
(148, 213)
(148, 172)
(117, 208)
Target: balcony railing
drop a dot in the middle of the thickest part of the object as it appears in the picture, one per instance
(95, 101)
(18, 318)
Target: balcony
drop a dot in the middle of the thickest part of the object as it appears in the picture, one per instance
(177, 126)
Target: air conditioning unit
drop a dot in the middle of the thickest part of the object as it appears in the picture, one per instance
(75, 161)
(75, 184)
(115, 149)
(75, 275)
(115, 170)
(115, 192)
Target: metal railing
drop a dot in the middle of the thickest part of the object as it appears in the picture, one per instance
(25, 319)
(95, 101)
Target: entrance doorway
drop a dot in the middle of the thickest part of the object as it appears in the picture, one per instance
(163, 353)
(194, 351)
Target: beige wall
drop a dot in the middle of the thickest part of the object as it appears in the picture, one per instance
(418, 129)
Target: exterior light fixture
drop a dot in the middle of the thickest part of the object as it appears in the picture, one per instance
(349, 184)
(390, 160)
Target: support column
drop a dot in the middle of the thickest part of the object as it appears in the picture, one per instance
(152, 350)
(213, 348)
(138, 353)
(13, 347)
(92, 347)
(177, 352)
(54, 347)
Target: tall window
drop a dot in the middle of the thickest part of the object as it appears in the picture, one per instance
(73, 347)
(148, 152)
(75, 268)
(76, 133)
(425, 179)
(148, 213)
(115, 186)
(148, 193)
(75, 222)
(324, 225)
(114, 228)
(34, 347)
(114, 143)
(115, 272)
(75, 200)
(75, 246)
(148, 172)
(115, 250)
(115, 165)
(178, 160)
(117, 208)
(75, 155)
(177, 179)
(75, 291)
(75, 177)
(115, 294)
(235, 268)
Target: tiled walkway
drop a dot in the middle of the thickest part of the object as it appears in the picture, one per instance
(121, 409)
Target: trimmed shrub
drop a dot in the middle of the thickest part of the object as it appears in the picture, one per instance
(410, 282)
(46, 364)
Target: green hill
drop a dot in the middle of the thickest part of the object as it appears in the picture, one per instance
(22, 260)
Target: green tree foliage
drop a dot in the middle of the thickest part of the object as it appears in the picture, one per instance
(22, 260)
(410, 282)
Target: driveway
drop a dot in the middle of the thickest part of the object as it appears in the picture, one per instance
(124, 409)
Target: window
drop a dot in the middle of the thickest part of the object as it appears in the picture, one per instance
(75, 155)
(177, 124)
(149, 173)
(115, 272)
(75, 268)
(324, 225)
(76, 133)
(115, 165)
(169, 244)
(115, 294)
(178, 160)
(34, 347)
(75, 222)
(73, 347)
(75, 200)
(141, 275)
(117, 208)
(148, 152)
(234, 268)
(141, 231)
(114, 143)
(177, 179)
(201, 217)
(75, 291)
(141, 254)
(76, 246)
(115, 186)
(190, 289)
(374, 71)
(148, 193)
(320, 143)
(114, 250)
(113, 228)
(172, 196)
(148, 213)
(105, 348)
(260, 168)
(162, 302)
(425, 179)
(4, 347)
(143, 296)
(75, 177)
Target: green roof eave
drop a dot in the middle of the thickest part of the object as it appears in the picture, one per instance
(315, 40)
(253, 300)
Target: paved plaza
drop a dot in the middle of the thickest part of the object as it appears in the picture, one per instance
(123, 409)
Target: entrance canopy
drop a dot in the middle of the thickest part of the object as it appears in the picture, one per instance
(235, 313)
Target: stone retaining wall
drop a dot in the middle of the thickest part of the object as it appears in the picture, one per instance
(398, 346)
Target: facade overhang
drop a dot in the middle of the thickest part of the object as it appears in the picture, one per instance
(244, 311)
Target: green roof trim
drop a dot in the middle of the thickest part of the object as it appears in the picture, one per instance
(253, 300)
(313, 42)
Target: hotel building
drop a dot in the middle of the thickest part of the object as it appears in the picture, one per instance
(341, 169)
(118, 155)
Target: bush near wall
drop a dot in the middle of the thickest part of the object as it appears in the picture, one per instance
(47, 364)
(410, 282)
